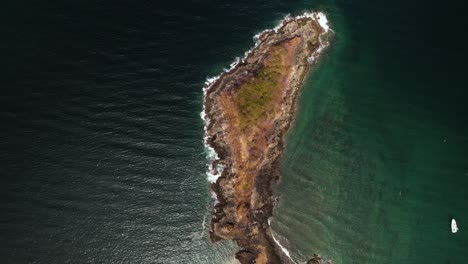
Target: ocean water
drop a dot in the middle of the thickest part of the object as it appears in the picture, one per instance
(376, 165)
(102, 158)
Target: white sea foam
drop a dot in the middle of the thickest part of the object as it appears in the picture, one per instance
(285, 250)
(211, 154)
(323, 21)
(214, 171)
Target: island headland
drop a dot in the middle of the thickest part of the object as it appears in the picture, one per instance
(247, 111)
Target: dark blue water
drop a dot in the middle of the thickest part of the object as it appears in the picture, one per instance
(102, 154)
(102, 159)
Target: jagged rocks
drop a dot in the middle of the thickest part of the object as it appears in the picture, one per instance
(249, 110)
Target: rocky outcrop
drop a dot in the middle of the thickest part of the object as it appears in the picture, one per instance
(248, 110)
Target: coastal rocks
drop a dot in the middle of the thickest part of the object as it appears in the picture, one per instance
(248, 110)
(245, 256)
(319, 260)
(315, 260)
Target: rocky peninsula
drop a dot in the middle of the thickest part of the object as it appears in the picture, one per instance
(248, 109)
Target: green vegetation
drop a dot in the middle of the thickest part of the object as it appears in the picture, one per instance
(254, 98)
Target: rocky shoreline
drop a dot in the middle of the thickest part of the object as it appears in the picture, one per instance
(248, 110)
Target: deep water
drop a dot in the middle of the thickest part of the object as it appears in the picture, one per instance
(102, 159)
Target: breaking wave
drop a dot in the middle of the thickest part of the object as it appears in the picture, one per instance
(215, 170)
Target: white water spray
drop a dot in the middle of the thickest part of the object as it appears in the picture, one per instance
(215, 171)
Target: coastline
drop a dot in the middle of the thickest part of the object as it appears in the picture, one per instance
(249, 226)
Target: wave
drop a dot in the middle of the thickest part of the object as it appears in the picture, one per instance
(285, 250)
(214, 169)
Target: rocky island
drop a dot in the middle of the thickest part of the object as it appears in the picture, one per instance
(248, 109)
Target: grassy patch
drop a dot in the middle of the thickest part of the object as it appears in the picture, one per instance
(254, 97)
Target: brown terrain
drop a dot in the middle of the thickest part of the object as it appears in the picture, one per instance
(250, 109)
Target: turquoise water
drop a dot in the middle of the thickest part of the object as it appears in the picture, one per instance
(376, 164)
(102, 153)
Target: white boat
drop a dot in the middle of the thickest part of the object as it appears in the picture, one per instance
(454, 226)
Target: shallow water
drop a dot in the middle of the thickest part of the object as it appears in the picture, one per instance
(102, 154)
(376, 165)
